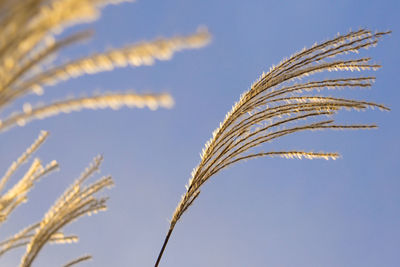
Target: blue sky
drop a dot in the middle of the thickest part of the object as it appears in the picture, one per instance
(265, 212)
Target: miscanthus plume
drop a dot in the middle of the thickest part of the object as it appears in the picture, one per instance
(284, 101)
(32, 35)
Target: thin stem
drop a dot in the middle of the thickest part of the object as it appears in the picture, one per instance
(163, 247)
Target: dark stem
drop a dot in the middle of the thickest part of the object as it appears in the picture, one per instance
(163, 247)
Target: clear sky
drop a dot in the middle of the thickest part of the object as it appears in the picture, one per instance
(265, 212)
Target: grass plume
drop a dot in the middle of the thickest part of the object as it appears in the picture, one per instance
(77, 200)
(17, 194)
(29, 45)
(280, 104)
(30, 42)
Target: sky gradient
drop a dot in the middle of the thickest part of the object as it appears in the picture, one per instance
(264, 212)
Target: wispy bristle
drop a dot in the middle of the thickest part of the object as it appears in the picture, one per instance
(114, 101)
(135, 55)
(23, 158)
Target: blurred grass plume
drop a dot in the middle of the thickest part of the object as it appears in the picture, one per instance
(30, 41)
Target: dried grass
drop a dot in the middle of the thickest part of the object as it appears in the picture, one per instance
(29, 46)
(280, 103)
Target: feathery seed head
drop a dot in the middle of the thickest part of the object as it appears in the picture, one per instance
(275, 106)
